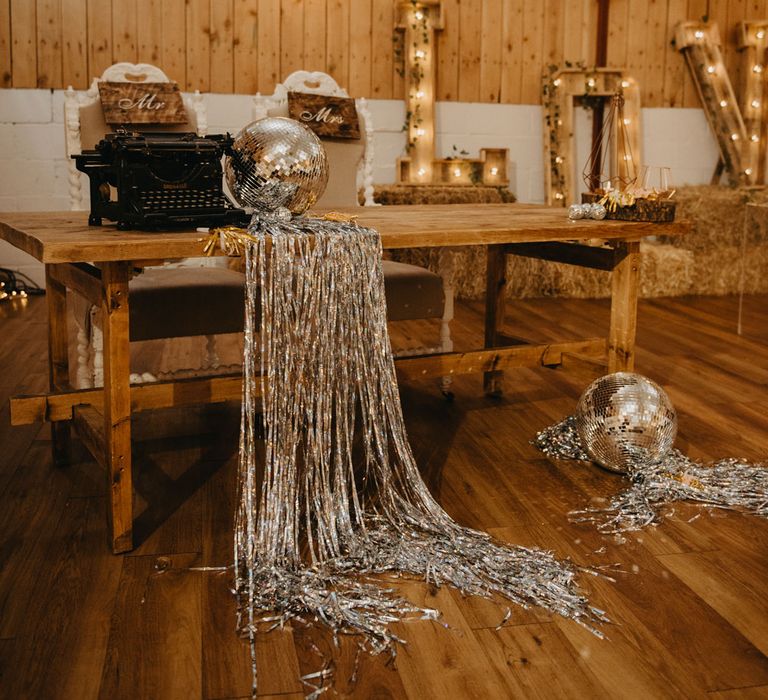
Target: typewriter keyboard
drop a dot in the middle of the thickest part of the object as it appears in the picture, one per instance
(164, 200)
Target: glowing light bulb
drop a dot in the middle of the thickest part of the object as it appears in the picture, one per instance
(723, 103)
(457, 172)
(625, 83)
(711, 69)
(421, 172)
(420, 54)
(420, 94)
(559, 122)
(698, 34)
(757, 68)
(591, 82)
(494, 170)
(556, 82)
(627, 121)
(559, 159)
(755, 103)
(760, 34)
(420, 132)
(754, 138)
(558, 195)
(627, 156)
(748, 171)
(419, 15)
(734, 137)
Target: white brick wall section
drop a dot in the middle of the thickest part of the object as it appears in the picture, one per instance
(33, 167)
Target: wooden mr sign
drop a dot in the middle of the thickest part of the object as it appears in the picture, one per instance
(142, 103)
(334, 117)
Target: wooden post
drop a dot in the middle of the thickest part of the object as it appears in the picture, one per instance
(598, 113)
(753, 44)
(624, 286)
(700, 43)
(117, 403)
(420, 20)
(495, 289)
(58, 362)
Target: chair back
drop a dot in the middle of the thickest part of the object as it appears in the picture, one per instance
(350, 161)
(84, 122)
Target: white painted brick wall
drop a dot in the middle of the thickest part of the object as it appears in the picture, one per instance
(33, 167)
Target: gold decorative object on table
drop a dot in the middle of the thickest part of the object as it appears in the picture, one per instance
(611, 175)
(562, 90)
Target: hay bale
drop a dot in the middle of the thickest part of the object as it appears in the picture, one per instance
(707, 261)
(441, 194)
(666, 271)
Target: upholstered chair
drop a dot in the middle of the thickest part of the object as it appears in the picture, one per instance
(193, 297)
(413, 292)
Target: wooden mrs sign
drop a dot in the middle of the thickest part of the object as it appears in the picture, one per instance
(327, 116)
(142, 103)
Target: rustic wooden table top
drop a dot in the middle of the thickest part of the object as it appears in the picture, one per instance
(60, 237)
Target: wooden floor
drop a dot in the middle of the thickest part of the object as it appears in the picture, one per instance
(690, 609)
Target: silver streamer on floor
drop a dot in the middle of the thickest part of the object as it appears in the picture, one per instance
(728, 483)
(336, 499)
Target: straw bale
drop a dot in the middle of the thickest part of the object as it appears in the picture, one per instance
(665, 271)
(441, 194)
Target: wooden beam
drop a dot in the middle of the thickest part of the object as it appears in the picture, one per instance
(571, 254)
(89, 424)
(621, 337)
(58, 361)
(82, 278)
(60, 406)
(117, 403)
(495, 289)
(572, 361)
(496, 359)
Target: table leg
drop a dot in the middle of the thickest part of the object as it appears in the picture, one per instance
(58, 363)
(495, 288)
(624, 288)
(117, 403)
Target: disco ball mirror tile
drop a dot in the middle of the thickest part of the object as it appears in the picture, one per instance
(277, 162)
(625, 420)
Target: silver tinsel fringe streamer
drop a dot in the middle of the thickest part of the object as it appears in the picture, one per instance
(729, 483)
(340, 499)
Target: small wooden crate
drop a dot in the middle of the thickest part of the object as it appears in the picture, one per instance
(654, 210)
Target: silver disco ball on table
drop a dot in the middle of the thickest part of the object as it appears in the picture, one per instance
(276, 163)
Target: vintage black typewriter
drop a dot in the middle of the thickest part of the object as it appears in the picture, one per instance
(159, 180)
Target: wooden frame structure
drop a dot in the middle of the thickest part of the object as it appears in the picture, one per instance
(420, 20)
(753, 43)
(561, 89)
(700, 44)
(102, 417)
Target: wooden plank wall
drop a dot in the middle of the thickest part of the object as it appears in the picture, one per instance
(489, 51)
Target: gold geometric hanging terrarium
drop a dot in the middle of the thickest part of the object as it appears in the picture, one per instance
(611, 163)
(612, 178)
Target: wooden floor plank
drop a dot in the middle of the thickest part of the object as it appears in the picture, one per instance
(688, 610)
(155, 644)
(724, 582)
(69, 614)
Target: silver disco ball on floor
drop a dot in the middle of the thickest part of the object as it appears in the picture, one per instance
(625, 421)
(276, 163)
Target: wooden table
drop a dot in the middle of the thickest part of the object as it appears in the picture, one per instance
(102, 417)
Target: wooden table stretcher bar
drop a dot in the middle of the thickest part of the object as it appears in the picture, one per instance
(102, 417)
